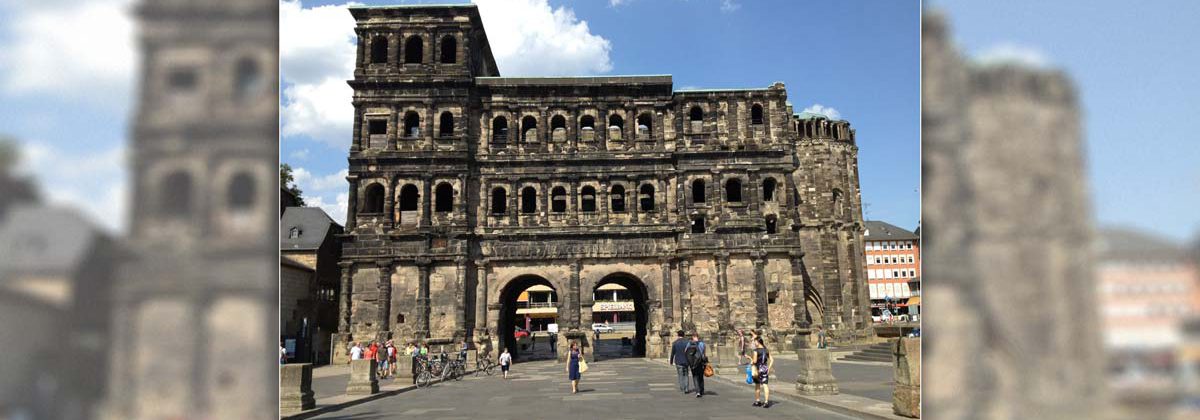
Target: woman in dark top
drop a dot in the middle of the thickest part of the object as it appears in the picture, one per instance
(763, 362)
(573, 367)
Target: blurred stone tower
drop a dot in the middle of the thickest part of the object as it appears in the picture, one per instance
(1007, 228)
(195, 319)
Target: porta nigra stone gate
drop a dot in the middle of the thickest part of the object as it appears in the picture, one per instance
(718, 209)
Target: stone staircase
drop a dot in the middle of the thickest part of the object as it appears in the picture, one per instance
(879, 352)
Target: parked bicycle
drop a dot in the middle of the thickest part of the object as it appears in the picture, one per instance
(484, 365)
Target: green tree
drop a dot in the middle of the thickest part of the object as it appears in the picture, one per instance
(287, 182)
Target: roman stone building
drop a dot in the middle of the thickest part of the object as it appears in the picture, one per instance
(717, 209)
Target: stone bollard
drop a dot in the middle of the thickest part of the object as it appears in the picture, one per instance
(362, 378)
(906, 394)
(471, 357)
(295, 388)
(816, 373)
(403, 365)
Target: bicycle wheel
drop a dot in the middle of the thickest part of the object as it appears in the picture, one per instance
(459, 372)
(423, 378)
(490, 369)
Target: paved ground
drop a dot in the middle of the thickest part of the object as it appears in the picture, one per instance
(870, 380)
(612, 389)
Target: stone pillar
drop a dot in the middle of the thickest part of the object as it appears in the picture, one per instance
(385, 299)
(389, 204)
(573, 201)
(799, 302)
(906, 394)
(668, 297)
(346, 302)
(362, 378)
(352, 204)
(573, 304)
(761, 320)
(481, 298)
(426, 203)
(423, 299)
(723, 321)
(295, 388)
(685, 296)
(460, 299)
(816, 373)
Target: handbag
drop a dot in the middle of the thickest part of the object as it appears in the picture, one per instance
(582, 365)
(749, 374)
(708, 370)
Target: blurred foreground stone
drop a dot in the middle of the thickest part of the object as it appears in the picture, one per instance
(816, 373)
(906, 394)
(295, 388)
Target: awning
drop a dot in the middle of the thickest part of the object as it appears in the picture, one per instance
(915, 300)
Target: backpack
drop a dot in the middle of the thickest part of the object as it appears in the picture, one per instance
(691, 352)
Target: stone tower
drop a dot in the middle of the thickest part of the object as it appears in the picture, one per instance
(1007, 230)
(197, 293)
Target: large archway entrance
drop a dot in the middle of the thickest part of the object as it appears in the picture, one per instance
(528, 307)
(620, 314)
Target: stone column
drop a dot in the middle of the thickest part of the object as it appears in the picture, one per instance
(356, 144)
(799, 302)
(572, 202)
(906, 393)
(345, 298)
(685, 295)
(362, 378)
(295, 388)
(385, 299)
(352, 204)
(426, 203)
(603, 203)
(573, 305)
(761, 320)
(423, 299)
(389, 203)
(481, 298)
(460, 298)
(723, 321)
(668, 297)
(816, 373)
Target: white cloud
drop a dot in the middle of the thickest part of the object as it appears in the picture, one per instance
(317, 51)
(310, 183)
(335, 208)
(301, 154)
(529, 38)
(1008, 53)
(79, 51)
(90, 181)
(833, 114)
(618, 3)
(729, 6)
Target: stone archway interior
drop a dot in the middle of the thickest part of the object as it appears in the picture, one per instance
(620, 302)
(529, 303)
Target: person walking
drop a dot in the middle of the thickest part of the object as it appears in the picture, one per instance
(356, 351)
(381, 361)
(392, 353)
(820, 337)
(573, 372)
(282, 353)
(505, 362)
(413, 353)
(762, 373)
(697, 355)
(679, 359)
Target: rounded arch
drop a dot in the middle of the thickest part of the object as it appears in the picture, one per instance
(241, 191)
(733, 190)
(646, 197)
(698, 190)
(528, 200)
(499, 129)
(558, 199)
(509, 291)
(410, 197)
(446, 124)
(696, 113)
(587, 199)
(617, 195)
(557, 122)
(379, 46)
(499, 200)
(768, 189)
(615, 120)
(756, 114)
(444, 198)
(587, 122)
(639, 293)
(373, 198)
(412, 124)
(528, 128)
(645, 124)
(449, 49)
(414, 50)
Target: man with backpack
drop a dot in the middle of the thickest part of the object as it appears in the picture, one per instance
(697, 357)
(679, 359)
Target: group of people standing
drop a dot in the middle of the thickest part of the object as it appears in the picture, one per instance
(690, 357)
(383, 354)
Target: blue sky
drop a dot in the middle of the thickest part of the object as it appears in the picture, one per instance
(858, 58)
(1136, 70)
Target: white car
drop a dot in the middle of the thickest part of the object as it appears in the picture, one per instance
(602, 328)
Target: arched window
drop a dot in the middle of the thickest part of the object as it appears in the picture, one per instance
(241, 191)
(733, 190)
(645, 125)
(412, 124)
(558, 200)
(558, 122)
(373, 199)
(413, 50)
(768, 187)
(756, 114)
(449, 49)
(528, 200)
(698, 193)
(444, 198)
(249, 80)
(696, 114)
(499, 130)
(528, 129)
(446, 125)
(837, 202)
(409, 198)
(647, 197)
(379, 49)
(698, 224)
(618, 199)
(588, 200)
(616, 121)
(499, 201)
(587, 122)
(771, 224)
(176, 195)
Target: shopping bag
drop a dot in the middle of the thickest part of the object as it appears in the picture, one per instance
(582, 365)
(749, 374)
